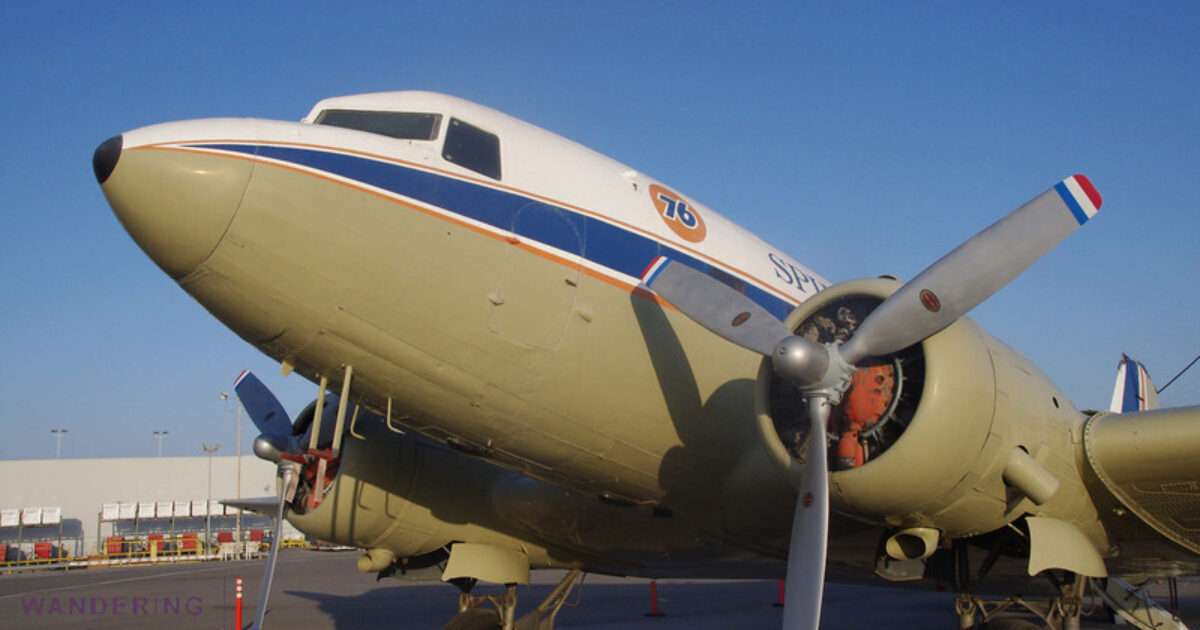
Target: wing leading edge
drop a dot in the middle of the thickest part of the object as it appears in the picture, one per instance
(1147, 460)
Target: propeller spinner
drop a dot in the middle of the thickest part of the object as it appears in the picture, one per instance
(934, 299)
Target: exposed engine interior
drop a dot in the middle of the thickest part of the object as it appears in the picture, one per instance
(876, 410)
(305, 497)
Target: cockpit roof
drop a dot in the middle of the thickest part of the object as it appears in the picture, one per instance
(403, 101)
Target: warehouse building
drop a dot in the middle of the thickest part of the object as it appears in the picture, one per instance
(79, 505)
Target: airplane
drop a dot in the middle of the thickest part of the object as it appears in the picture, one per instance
(550, 360)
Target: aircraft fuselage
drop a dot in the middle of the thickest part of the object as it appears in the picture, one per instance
(481, 276)
(496, 309)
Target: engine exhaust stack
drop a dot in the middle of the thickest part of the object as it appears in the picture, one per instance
(916, 543)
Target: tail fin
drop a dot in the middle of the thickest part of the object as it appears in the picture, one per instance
(1134, 391)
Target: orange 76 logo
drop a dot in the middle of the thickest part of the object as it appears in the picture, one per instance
(678, 214)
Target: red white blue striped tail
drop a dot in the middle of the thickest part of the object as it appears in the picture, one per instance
(1134, 391)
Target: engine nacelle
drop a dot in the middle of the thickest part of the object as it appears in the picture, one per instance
(969, 436)
(403, 497)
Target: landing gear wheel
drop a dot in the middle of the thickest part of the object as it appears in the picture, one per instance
(1010, 623)
(474, 619)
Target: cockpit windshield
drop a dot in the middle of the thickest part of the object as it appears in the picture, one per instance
(402, 125)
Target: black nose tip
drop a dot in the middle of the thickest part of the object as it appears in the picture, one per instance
(104, 160)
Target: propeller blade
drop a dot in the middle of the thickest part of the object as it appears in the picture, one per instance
(736, 318)
(285, 471)
(261, 405)
(810, 530)
(975, 270)
(715, 305)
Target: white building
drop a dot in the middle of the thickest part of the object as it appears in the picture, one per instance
(81, 487)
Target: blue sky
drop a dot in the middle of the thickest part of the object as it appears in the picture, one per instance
(863, 138)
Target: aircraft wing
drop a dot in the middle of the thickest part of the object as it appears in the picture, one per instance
(1148, 462)
(258, 505)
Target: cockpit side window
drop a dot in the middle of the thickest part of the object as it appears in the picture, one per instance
(471, 147)
(402, 125)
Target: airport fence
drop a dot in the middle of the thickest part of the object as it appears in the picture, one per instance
(152, 549)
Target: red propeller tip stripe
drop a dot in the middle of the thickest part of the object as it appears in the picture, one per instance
(1086, 185)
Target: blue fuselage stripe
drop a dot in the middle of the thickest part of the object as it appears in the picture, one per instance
(564, 229)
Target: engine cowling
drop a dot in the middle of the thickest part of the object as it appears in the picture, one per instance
(404, 499)
(962, 443)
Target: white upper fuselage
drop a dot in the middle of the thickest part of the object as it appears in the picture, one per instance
(599, 193)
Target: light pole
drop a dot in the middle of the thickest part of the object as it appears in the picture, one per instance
(160, 435)
(58, 435)
(237, 527)
(208, 512)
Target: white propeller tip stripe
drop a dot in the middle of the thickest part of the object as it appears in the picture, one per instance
(653, 269)
(1084, 194)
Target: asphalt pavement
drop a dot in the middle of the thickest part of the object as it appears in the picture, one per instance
(324, 591)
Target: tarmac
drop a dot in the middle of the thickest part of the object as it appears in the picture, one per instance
(317, 590)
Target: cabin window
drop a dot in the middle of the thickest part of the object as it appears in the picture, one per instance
(402, 125)
(471, 147)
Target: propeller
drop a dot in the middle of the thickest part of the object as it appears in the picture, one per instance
(286, 445)
(286, 472)
(261, 405)
(934, 299)
(275, 444)
(810, 531)
(279, 436)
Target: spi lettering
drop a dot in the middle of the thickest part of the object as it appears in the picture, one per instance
(788, 273)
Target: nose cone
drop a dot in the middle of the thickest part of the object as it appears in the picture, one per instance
(104, 160)
(175, 203)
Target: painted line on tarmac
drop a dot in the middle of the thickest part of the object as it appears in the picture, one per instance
(107, 582)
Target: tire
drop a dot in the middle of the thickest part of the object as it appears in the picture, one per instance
(1012, 623)
(474, 619)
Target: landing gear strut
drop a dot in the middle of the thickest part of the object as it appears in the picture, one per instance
(474, 612)
(1061, 612)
